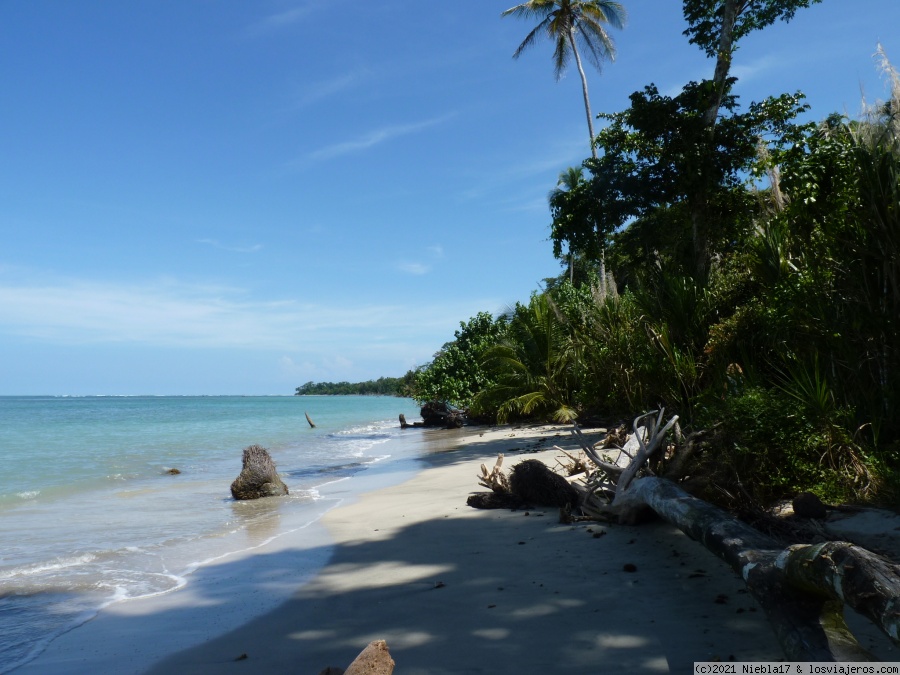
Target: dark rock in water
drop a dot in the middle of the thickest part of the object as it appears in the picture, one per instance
(331, 670)
(258, 477)
(533, 482)
(807, 505)
(172, 472)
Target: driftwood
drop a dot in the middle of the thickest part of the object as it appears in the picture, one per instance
(530, 482)
(308, 419)
(500, 496)
(534, 483)
(258, 477)
(405, 425)
(802, 588)
(494, 479)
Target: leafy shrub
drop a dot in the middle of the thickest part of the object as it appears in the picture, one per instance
(769, 447)
(456, 374)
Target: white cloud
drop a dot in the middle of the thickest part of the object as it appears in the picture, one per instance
(527, 205)
(330, 365)
(280, 20)
(418, 268)
(414, 268)
(322, 90)
(173, 314)
(324, 367)
(746, 72)
(234, 249)
(373, 138)
(548, 163)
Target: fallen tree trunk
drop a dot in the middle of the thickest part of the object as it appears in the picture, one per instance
(850, 574)
(792, 585)
(802, 588)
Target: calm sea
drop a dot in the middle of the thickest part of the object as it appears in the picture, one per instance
(89, 514)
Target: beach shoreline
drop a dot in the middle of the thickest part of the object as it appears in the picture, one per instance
(400, 557)
(397, 555)
(245, 570)
(453, 589)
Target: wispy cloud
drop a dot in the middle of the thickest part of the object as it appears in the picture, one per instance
(526, 205)
(746, 72)
(415, 268)
(279, 20)
(538, 170)
(318, 91)
(420, 268)
(173, 314)
(234, 249)
(324, 365)
(373, 138)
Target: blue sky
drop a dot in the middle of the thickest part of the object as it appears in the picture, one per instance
(215, 196)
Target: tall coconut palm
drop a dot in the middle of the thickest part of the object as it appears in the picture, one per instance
(572, 24)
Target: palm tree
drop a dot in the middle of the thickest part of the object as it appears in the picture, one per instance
(570, 24)
(533, 368)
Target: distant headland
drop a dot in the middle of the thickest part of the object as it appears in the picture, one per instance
(383, 386)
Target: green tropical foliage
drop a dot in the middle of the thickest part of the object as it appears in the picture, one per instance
(531, 369)
(456, 373)
(682, 205)
(734, 265)
(383, 386)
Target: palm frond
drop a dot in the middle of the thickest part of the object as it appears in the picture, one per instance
(602, 11)
(561, 55)
(532, 8)
(531, 38)
(595, 42)
(567, 21)
(532, 370)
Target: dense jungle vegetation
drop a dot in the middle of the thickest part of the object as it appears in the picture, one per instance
(383, 386)
(730, 262)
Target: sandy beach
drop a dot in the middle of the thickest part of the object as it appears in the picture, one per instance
(451, 589)
(454, 590)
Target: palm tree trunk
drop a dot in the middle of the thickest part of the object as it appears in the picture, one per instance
(584, 89)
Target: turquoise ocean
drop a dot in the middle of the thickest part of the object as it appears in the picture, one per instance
(89, 514)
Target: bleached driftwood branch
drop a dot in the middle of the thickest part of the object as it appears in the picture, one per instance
(802, 588)
(494, 479)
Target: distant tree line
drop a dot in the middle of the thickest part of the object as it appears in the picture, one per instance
(383, 386)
